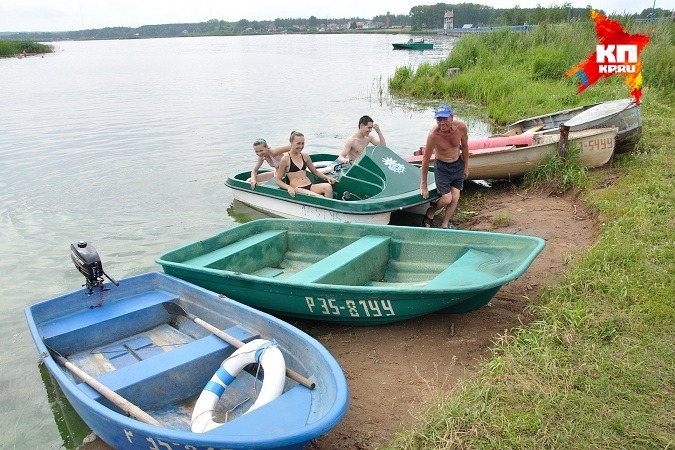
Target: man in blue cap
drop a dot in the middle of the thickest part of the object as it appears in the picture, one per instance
(448, 140)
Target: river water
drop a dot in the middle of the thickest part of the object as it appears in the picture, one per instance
(127, 144)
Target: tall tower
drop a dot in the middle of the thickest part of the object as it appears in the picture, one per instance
(448, 20)
(388, 20)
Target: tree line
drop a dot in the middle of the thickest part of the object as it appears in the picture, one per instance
(432, 16)
(420, 18)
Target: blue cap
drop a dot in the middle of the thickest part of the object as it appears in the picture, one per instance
(442, 111)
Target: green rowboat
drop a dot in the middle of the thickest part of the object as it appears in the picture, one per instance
(416, 45)
(357, 274)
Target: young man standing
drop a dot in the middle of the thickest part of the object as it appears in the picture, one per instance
(356, 143)
(446, 139)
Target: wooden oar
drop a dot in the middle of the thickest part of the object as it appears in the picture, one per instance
(125, 405)
(176, 310)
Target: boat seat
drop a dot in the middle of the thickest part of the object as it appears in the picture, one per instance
(69, 334)
(172, 375)
(289, 411)
(533, 129)
(249, 246)
(511, 132)
(356, 264)
(467, 270)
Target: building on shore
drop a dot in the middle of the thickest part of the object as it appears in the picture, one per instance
(448, 21)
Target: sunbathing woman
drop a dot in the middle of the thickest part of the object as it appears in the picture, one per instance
(293, 165)
(265, 153)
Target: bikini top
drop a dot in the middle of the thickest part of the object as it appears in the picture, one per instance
(294, 168)
(275, 162)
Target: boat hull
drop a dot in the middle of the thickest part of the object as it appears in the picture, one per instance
(596, 149)
(413, 46)
(623, 114)
(551, 121)
(511, 161)
(160, 363)
(357, 274)
(293, 210)
(378, 183)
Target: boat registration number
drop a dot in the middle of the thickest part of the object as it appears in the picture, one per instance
(353, 308)
(158, 444)
(600, 143)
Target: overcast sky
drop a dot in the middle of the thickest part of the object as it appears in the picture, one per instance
(70, 15)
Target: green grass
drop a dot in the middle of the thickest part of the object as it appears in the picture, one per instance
(596, 368)
(13, 48)
(556, 174)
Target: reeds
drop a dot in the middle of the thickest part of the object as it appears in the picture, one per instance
(14, 48)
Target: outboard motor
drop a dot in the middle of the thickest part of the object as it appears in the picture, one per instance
(86, 259)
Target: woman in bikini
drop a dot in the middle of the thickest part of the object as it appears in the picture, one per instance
(265, 153)
(293, 165)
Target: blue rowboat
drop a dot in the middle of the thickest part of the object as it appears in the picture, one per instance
(134, 359)
(356, 274)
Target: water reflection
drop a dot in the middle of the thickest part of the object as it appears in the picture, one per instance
(127, 144)
(72, 429)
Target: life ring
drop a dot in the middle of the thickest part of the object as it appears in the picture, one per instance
(260, 351)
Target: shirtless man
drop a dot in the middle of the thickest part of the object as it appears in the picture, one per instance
(355, 144)
(445, 139)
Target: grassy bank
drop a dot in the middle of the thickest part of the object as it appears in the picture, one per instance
(595, 369)
(14, 48)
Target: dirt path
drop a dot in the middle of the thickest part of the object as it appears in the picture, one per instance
(392, 369)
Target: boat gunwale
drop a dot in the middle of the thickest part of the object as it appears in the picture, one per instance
(369, 203)
(517, 271)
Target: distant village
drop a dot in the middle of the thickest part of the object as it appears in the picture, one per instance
(440, 18)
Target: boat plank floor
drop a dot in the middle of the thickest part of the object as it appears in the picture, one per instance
(200, 356)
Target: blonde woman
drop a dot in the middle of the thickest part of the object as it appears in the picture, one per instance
(294, 165)
(265, 154)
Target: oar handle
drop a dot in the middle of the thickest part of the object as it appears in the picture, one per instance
(290, 373)
(125, 405)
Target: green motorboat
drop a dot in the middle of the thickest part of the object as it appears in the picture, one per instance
(368, 191)
(413, 45)
(357, 274)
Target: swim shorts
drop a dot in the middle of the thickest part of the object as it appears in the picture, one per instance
(448, 175)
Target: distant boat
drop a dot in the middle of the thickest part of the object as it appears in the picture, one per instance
(351, 273)
(624, 114)
(135, 361)
(507, 157)
(414, 45)
(368, 191)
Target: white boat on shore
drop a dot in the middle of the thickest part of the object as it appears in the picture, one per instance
(624, 114)
(512, 161)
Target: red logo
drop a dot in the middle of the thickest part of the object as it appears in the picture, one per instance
(618, 53)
